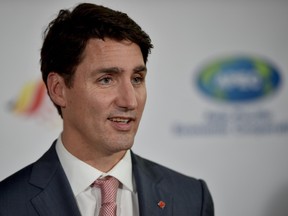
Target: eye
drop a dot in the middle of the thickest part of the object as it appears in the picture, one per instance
(137, 79)
(105, 80)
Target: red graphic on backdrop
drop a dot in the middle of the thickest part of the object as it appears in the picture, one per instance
(30, 99)
(33, 101)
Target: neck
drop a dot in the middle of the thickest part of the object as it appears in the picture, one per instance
(103, 160)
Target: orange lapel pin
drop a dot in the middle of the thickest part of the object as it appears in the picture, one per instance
(161, 204)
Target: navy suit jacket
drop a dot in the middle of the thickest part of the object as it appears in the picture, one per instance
(42, 189)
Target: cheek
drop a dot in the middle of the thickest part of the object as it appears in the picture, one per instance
(98, 102)
(142, 96)
(79, 100)
(76, 105)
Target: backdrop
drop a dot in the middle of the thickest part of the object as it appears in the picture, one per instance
(217, 94)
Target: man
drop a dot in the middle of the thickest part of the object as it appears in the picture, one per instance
(93, 63)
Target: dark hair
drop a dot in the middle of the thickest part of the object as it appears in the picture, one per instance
(67, 35)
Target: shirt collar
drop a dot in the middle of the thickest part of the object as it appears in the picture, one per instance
(81, 175)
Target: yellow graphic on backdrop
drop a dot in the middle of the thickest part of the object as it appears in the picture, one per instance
(30, 99)
(33, 101)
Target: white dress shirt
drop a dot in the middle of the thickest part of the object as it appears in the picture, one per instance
(81, 175)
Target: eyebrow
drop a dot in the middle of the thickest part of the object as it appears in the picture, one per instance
(141, 68)
(138, 69)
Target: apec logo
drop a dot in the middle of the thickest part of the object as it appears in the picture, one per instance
(238, 79)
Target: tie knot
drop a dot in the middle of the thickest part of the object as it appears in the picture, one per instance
(108, 187)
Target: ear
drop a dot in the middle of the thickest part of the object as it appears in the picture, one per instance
(56, 88)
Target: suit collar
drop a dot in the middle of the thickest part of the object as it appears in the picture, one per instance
(56, 196)
(150, 189)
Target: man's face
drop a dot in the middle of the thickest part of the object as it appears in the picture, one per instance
(106, 101)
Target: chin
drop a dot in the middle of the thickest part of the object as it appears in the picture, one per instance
(124, 144)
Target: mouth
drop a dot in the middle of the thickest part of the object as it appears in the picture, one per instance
(123, 124)
(120, 120)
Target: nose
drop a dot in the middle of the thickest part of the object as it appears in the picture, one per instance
(126, 96)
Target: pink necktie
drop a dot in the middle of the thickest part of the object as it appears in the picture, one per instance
(108, 187)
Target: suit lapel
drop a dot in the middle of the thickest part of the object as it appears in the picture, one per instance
(56, 197)
(153, 198)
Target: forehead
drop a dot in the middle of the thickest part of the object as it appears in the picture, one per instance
(102, 55)
(108, 50)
